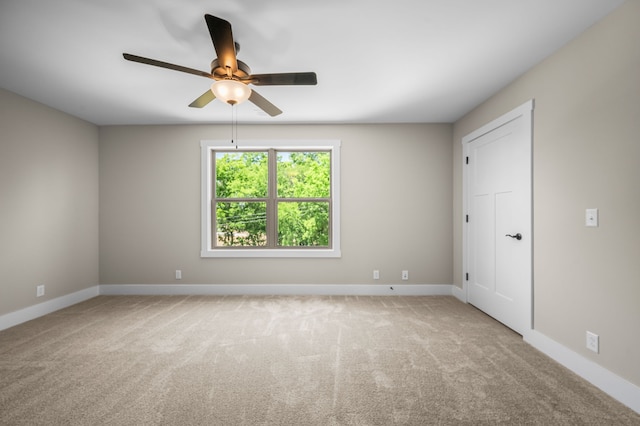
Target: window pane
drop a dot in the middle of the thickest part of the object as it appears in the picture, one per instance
(241, 174)
(303, 224)
(241, 224)
(304, 174)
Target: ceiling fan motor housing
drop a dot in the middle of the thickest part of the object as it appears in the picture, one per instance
(220, 72)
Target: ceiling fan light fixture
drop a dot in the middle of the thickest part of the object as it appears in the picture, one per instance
(231, 91)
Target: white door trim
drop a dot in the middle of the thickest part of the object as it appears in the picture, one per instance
(524, 111)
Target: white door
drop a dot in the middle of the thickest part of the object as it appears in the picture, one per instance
(499, 230)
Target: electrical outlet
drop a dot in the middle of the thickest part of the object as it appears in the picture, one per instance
(405, 275)
(178, 274)
(591, 218)
(593, 342)
(40, 290)
(376, 274)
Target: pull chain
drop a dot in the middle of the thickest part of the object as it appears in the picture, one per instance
(234, 125)
(232, 110)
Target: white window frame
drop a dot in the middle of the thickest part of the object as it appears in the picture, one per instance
(207, 146)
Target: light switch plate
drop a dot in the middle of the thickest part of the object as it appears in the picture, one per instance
(593, 342)
(591, 217)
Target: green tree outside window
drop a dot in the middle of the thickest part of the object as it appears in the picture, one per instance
(273, 198)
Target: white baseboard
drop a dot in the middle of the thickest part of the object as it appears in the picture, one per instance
(612, 384)
(32, 312)
(279, 289)
(459, 293)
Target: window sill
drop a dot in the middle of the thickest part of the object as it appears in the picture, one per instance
(280, 253)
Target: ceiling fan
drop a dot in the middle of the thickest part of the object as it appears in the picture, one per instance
(231, 75)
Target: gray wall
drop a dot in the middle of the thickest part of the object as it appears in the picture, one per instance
(48, 203)
(586, 154)
(396, 206)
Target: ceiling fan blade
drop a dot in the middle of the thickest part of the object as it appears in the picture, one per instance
(167, 65)
(222, 38)
(264, 104)
(203, 100)
(284, 79)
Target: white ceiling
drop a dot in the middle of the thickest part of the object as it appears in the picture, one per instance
(377, 61)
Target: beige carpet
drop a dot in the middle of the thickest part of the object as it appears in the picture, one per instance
(285, 361)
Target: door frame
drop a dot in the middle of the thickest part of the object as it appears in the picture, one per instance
(526, 112)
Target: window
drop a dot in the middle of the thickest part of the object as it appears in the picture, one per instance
(271, 199)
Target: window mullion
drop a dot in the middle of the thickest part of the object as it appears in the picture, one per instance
(272, 193)
(212, 201)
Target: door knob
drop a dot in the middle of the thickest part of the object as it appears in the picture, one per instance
(518, 236)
